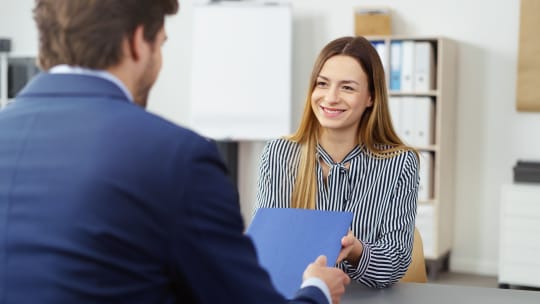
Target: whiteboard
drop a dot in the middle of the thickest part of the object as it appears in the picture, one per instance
(241, 71)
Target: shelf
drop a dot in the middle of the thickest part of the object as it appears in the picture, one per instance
(434, 119)
(432, 93)
(403, 37)
(427, 202)
(431, 148)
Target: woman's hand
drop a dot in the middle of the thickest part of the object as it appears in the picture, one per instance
(351, 249)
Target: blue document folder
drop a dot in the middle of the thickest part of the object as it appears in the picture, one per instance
(288, 240)
(395, 65)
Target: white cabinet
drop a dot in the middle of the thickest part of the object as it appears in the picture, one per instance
(519, 247)
(420, 73)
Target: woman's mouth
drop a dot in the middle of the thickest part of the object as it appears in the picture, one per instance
(331, 112)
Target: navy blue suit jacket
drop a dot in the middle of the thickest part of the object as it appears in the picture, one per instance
(103, 202)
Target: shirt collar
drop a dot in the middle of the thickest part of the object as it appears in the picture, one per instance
(330, 162)
(67, 69)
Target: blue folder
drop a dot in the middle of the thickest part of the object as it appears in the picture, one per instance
(395, 65)
(288, 240)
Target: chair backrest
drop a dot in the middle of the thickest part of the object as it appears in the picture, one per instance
(417, 270)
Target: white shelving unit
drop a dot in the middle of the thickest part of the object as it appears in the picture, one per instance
(435, 213)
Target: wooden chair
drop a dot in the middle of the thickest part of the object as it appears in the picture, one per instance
(417, 270)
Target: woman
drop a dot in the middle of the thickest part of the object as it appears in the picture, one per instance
(346, 156)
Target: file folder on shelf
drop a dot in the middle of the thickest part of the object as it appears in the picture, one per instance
(395, 65)
(425, 188)
(407, 66)
(424, 117)
(408, 120)
(395, 108)
(288, 240)
(380, 47)
(425, 219)
(424, 71)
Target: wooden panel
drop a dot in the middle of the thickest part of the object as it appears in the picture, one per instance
(528, 82)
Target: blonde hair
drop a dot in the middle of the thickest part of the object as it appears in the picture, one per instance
(376, 132)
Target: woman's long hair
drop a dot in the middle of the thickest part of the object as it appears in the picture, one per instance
(375, 128)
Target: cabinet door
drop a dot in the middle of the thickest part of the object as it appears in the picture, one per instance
(520, 228)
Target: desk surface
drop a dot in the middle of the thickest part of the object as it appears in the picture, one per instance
(414, 293)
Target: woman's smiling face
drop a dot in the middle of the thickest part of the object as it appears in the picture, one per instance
(341, 94)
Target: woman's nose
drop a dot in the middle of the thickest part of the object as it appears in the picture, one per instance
(331, 95)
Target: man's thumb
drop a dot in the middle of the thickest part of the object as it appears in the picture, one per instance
(321, 260)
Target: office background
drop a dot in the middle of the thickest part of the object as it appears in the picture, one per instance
(490, 134)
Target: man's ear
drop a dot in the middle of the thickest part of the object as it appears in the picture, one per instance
(137, 44)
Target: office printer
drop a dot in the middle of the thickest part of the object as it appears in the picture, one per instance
(527, 172)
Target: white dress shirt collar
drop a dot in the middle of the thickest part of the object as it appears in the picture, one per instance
(67, 69)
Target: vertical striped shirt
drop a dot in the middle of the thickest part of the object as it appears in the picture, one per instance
(381, 193)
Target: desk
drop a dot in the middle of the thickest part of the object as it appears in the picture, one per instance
(415, 293)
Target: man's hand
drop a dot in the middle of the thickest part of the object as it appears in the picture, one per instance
(335, 278)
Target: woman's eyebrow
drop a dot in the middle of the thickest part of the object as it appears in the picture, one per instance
(342, 81)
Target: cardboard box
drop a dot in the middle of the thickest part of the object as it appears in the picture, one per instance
(372, 22)
(528, 74)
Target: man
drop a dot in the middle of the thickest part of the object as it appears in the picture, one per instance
(102, 202)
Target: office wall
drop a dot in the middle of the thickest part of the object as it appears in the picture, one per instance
(16, 23)
(491, 135)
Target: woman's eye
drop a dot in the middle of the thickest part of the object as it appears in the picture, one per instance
(348, 88)
(321, 83)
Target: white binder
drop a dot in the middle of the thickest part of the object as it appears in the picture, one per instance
(425, 219)
(424, 70)
(380, 46)
(425, 188)
(408, 117)
(407, 66)
(395, 108)
(424, 118)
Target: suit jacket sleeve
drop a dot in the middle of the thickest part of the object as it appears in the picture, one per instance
(210, 251)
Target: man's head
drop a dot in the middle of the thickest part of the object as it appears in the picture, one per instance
(89, 33)
(102, 34)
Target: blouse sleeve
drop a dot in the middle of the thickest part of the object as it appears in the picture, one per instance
(264, 182)
(386, 260)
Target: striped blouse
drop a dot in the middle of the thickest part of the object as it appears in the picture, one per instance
(381, 193)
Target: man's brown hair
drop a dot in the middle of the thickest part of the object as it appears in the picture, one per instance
(89, 33)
